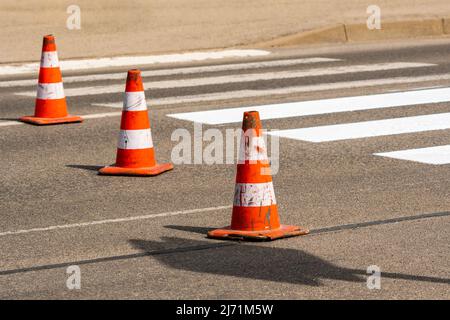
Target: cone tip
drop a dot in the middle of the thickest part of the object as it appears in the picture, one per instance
(49, 37)
(134, 71)
(134, 81)
(251, 120)
(49, 43)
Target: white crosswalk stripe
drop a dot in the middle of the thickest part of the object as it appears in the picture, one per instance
(240, 94)
(317, 107)
(431, 155)
(368, 129)
(240, 78)
(178, 71)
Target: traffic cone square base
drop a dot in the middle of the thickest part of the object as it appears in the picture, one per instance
(144, 172)
(261, 235)
(49, 121)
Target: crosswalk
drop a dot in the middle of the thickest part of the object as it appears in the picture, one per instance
(318, 107)
(252, 78)
(368, 129)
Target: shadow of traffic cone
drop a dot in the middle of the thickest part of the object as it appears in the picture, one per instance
(51, 107)
(255, 212)
(135, 152)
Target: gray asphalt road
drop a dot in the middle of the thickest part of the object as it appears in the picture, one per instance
(145, 237)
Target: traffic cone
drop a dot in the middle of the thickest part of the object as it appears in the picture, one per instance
(51, 107)
(255, 212)
(135, 152)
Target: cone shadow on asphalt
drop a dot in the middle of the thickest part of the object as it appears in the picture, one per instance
(198, 230)
(250, 261)
(260, 263)
(84, 167)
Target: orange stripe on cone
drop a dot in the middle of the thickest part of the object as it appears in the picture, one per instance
(255, 211)
(51, 106)
(50, 75)
(135, 151)
(133, 120)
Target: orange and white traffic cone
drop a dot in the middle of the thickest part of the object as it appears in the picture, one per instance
(255, 212)
(135, 152)
(51, 107)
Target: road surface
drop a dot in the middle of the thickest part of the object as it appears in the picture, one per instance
(355, 127)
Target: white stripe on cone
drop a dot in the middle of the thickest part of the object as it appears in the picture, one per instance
(135, 139)
(254, 195)
(50, 91)
(252, 148)
(49, 59)
(134, 101)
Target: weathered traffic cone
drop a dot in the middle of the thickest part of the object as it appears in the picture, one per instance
(135, 152)
(255, 212)
(51, 107)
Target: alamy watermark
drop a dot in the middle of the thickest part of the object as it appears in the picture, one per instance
(374, 280)
(73, 22)
(374, 19)
(73, 282)
(211, 147)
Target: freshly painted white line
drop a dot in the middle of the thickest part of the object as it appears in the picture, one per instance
(368, 129)
(432, 155)
(18, 83)
(177, 71)
(418, 88)
(108, 221)
(240, 78)
(316, 107)
(101, 115)
(134, 61)
(10, 123)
